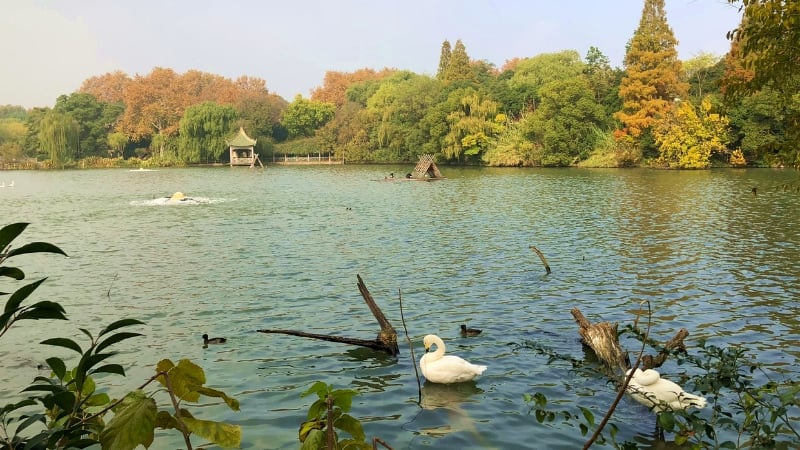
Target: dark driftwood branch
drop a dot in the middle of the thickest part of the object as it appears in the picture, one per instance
(386, 340)
(541, 256)
(673, 345)
(325, 337)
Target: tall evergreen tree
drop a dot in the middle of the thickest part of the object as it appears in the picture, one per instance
(444, 60)
(653, 79)
(458, 67)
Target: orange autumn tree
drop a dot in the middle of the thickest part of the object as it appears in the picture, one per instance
(199, 87)
(156, 102)
(154, 105)
(653, 80)
(259, 110)
(108, 87)
(335, 84)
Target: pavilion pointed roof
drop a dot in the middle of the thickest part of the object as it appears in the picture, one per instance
(242, 139)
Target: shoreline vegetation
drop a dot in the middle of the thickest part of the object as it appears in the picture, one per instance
(557, 109)
(307, 160)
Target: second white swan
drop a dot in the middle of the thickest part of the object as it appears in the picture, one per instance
(659, 394)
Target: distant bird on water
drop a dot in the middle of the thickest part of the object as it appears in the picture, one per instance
(216, 340)
(469, 331)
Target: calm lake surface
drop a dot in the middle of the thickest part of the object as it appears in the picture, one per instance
(280, 248)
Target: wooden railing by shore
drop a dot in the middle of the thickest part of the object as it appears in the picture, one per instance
(305, 160)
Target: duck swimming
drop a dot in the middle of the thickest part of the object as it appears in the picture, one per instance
(469, 331)
(659, 394)
(216, 340)
(440, 368)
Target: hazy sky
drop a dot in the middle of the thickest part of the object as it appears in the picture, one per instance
(48, 47)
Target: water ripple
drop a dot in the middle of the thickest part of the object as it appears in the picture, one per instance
(279, 249)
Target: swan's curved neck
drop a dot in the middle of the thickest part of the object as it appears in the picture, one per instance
(439, 352)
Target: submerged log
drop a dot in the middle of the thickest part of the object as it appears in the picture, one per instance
(386, 341)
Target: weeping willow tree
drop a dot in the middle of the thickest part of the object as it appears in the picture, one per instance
(59, 137)
(203, 132)
(472, 127)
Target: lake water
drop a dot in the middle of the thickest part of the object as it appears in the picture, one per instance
(280, 248)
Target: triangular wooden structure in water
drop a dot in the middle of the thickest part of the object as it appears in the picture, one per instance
(426, 169)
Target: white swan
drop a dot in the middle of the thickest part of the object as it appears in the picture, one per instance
(438, 368)
(648, 388)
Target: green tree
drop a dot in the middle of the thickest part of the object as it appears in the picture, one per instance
(604, 81)
(531, 74)
(13, 112)
(117, 142)
(59, 137)
(303, 117)
(31, 146)
(12, 136)
(653, 79)
(397, 109)
(259, 111)
(768, 36)
(513, 148)
(765, 46)
(564, 121)
(458, 67)
(472, 128)
(698, 70)
(759, 128)
(95, 120)
(203, 132)
(444, 60)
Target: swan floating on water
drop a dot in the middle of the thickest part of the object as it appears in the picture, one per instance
(659, 394)
(440, 368)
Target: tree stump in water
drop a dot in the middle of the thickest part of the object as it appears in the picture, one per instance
(603, 339)
(386, 341)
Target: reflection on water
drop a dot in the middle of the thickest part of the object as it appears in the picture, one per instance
(280, 248)
(449, 396)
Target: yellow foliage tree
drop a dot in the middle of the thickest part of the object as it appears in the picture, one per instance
(687, 137)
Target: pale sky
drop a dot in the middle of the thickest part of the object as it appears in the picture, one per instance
(49, 47)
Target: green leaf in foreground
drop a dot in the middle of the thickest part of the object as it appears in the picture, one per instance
(209, 392)
(223, 434)
(132, 425)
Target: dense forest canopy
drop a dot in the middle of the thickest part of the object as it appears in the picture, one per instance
(554, 109)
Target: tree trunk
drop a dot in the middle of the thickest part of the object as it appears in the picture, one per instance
(602, 338)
